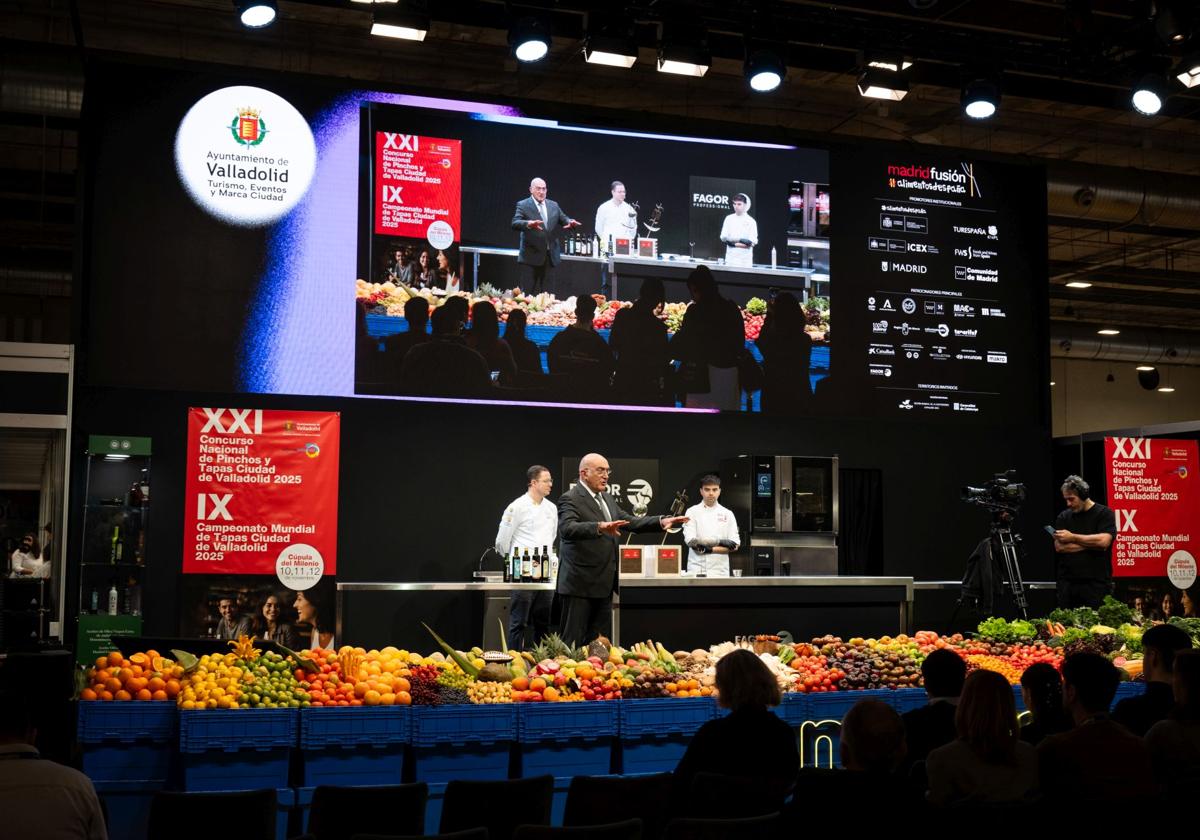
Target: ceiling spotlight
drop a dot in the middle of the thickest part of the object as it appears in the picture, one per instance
(1149, 379)
(609, 50)
(1108, 331)
(876, 83)
(400, 21)
(980, 99)
(1188, 70)
(684, 59)
(1051, 383)
(1079, 284)
(1170, 28)
(1144, 368)
(255, 13)
(529, 38)
(1166, 389)
(765, 70)
(1148, 95)
(894, 64)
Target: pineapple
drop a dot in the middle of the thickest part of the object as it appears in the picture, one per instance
(556, 646)
(542, 651)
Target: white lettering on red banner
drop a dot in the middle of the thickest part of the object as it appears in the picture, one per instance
(1151, 489)
(418, 185)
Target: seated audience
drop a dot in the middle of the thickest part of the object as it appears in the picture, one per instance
(787, 354)
(396, 347)
(1174, 743)
(1098, 760)
(1041, 689)
(1160, 644)
(484, 338)
(639, 342)
(38, 797)
(987, 763)
(526, 354)
(579, 350)
(932, 725)
(445, 366)
(751, 741)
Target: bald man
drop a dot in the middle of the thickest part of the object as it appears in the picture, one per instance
(539, 220)
(590, 522)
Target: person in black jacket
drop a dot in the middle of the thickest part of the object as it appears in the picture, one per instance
(709, 343)
(589, 526)
(1041, 690)
(445, 366)
(581, 353)
(525, 353)
(639, 341)
(751, 741)
(932, 725)
(539, 220)
(1159, 646)
(787, 352)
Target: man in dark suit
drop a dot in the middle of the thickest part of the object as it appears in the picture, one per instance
(932, 725)
(539, 219)
(589, 525)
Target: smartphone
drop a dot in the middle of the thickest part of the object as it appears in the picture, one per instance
(1049, 529)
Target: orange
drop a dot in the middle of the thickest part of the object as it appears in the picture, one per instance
(401, 684)
(112, 684)
(136, 684)
(172, 688)
(157, 684)
(361, 689)
(372, 698)
(520, 683)
(87, 694)
(550, 694)
(136, 670)
(159, 695)
(122, 695)
(101, 661)
(102, 675)
(106, 695)
(537, 684)
(115, 660)
(403, 698)
(387, 699)
(139, 659)
(125, 675)
(143, 694)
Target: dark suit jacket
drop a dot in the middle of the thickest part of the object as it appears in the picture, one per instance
(927, 728)
(1101, 761)
(538, 247)
(587, 559)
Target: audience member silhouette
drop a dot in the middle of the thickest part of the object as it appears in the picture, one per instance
(580, 351)
(526, 355)
(484, 338)
(709, 343)
(639, 341)
(444, 366)
(932, 725)
(1041, 690)
(787, 354)
(1160, 644)
(1174, 743)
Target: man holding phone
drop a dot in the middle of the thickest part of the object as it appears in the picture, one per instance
(1083, 536)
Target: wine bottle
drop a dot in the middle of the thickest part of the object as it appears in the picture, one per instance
(545, 565)
(508, 569)
(526, 567)
(515, 574)
(95, 602)
(535, 567)
(114, 551)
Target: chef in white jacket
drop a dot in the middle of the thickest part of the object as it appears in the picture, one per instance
(740, 233)
(710, 533)
(615, 219)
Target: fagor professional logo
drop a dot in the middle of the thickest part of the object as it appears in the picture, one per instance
(249, 170)
(959, 181)
(709, 200)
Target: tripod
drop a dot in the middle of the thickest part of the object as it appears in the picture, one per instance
(979, 583)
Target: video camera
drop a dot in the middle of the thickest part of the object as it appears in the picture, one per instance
(1002, 492)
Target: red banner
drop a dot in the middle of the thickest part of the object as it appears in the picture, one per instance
(262, 494)
(418, 187)
(1151, 489)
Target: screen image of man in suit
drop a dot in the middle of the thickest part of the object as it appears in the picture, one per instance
(539, 219)
(590, 522)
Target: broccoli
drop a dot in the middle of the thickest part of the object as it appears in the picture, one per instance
(1113, 613)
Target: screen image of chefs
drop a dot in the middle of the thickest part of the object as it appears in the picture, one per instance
(529, 523)
(739, 232)
(615, 219)
(710, 533)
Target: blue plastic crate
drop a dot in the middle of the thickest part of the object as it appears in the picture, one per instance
(354, 726)
(820, 744)
(655, 718)
(355, 766)
(645, 754)
(235, 730)
(907, 699)
(793, 709)
(566, 738)
(1129, 689)
(491, 723)
(433, 806)
(304, 798)
(127, 805)
(103, 721)
(252, 769)
(145, 763)
(447, 762)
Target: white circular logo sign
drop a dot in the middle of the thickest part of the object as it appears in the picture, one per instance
(1181, 569)
(639, 493)
(245, 155)
(440, 235)
(299, 566)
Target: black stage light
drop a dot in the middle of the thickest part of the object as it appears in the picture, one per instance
(1148, 94)
(529, 38)
(765, 70)
(980, 99)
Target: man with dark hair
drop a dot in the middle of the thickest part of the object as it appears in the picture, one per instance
(711, 533)
(1083, 538)
(1159, 646)
(530, 524)
(872, 738)
(396, 347)
(639, 341)
(580, 351)
(932, 725)
(231, 625)
(39, 798)
(709, 343)
(614, 220)
(445, 366)
(1099, 760)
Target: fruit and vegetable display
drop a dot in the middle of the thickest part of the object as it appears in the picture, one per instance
(245, 677)
(546, 310)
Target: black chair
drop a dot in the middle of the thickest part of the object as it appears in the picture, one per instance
(625, 830)
(590, 800)
(499, 806)
(252, 811)
(469, 834)
(339, 813)
(715, 796)
(748, 828)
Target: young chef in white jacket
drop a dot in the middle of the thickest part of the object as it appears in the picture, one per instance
(710, 533)
(739, 232)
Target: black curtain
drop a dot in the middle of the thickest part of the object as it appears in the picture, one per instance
(860, 527)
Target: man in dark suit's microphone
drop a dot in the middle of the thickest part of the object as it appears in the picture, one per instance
(590, 522)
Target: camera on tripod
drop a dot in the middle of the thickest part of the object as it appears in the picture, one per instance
(1001, 492)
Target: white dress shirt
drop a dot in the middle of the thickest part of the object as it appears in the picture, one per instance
(737, 228)
(709, 525)
(527, 525)
(29, 562)
(618, 221)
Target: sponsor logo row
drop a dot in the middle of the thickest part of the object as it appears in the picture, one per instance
(909, 306)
